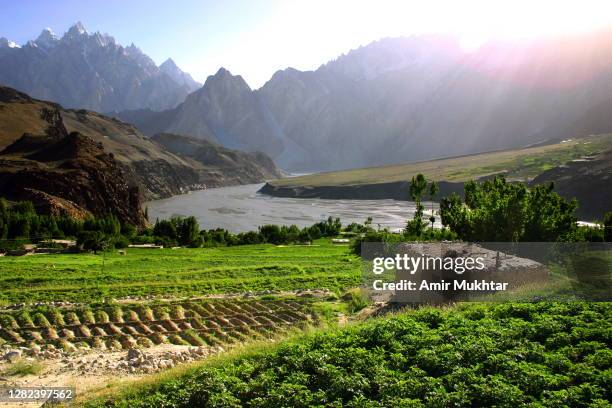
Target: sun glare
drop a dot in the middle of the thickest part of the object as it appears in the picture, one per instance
(473, 22)
(305, 34)
(484, 21)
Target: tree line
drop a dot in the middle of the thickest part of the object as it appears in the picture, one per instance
(21, 224)
(185, 232)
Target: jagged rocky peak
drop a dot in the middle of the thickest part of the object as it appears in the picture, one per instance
(77, 30)
(284, 73)
(133, 49)
(111, 77)
(140, 57)
(223, 76)
(169, 64)
(47, 39)
(6, 43)
(170, 68)
(223, 73)
(103, 40)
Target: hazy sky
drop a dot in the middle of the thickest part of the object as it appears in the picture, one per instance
(254, 38)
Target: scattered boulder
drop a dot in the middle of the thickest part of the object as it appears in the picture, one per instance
(12, 355)
(134, 353)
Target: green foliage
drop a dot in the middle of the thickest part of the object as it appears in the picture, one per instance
(375, 236)
(19, 224)
(418, 185)
(120, 242)
(109, 226)
(315, 232)
(128, 230)
(183, 231)
(608, 226)
(434, 188)
(23, 208)
(14, 244)
(586, 234)
(499, 211)
(357, 300)
(504, 355)
(177, 272)
(329, 228)
(188, 232)
(165, 228)
(93, 241)
(549, 217)
(22, 368)
(304, 236)
(271, 234)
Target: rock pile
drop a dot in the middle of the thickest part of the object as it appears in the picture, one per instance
(139, 361)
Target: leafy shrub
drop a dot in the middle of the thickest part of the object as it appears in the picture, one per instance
(608, 226)
(499, 211)
(93, 241)
(271, 234)
(22, 368)
(120, 242)
(473, 356)
(357, 300)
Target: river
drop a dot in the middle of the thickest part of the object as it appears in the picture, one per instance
(242, 208)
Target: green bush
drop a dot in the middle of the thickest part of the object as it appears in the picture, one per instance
(500, 211)
(357, 300)
(120, 242)
(608, 226)
(474, 356)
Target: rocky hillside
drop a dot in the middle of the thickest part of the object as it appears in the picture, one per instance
(222, 166)
(67, 173)
(153, 168)
(146, 164)
(407, 99)
(93, 71)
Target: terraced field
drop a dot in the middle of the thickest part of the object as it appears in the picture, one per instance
(85, 320)
(196, 323)
(176, 273)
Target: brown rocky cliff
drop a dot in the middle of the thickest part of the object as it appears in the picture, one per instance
(71, 169)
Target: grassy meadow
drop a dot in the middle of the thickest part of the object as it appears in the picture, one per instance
(180, 273)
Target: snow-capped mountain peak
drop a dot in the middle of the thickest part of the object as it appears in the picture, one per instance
(76, 31)
(47, 39)
(6, 43)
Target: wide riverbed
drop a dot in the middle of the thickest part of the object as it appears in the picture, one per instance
(241, 208)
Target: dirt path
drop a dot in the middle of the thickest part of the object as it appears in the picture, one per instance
(91, 370)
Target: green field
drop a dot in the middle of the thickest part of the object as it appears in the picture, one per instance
(506, 355)
(519, 164)
(178, 273)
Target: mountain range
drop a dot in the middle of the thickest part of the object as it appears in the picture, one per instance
(405, 99)
(92, 71)
(394, 100)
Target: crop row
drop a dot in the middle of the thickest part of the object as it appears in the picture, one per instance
(211, 323)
